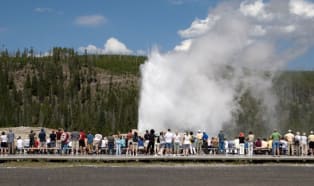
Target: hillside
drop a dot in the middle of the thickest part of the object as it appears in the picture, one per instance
(101, 93)
(97, 93)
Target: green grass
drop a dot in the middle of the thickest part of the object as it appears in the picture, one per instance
(120, 64)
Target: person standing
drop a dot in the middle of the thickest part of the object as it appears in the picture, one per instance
(311, 142)
(64, 141)
(42, 140)
(146, 141)
(11, 137)
(75, 136)
(241, 143)
(289, 137)
(4, 142)
(303, 144)
(177, 143)
(162, 143)
(19, 145)
(205, 142)
(186, 143)
(250, 143)
(297, 145)
(221, 143)
(31, 139)
(199, 142)
(82, 143)
(151, 143)
(58, 140)
(135, 143)
(52, 143)
(53, 138)
(168, 140)
(90, 139)
(128, 139)
(118, 142)
(275, 136)
(193, 141)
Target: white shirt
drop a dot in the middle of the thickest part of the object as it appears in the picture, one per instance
(104, 143)
(297, 138)
(177, 138)
(187, 139)
(4, 138)
(168, 137)
(303, 140)
(284, 144)
(237, 143)
(19, 143)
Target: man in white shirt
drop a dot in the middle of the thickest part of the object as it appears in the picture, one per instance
(177, 143)
(297, 146)
(199, 142)
(169, 139)
(303, 144)
(19, 145)
(289, 137)
(311, 142)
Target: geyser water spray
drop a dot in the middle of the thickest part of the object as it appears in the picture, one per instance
(196, 85)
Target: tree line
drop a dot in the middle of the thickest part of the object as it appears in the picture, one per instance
(100, 93)
(68, 90)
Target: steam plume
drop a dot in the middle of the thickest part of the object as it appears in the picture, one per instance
(196, 86)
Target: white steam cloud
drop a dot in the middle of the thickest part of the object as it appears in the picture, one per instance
(196, 86)
(112, 46)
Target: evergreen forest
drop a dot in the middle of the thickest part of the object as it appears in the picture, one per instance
(100, 93)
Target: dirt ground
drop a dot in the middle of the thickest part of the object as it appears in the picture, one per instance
(279, 175)
(24, 131)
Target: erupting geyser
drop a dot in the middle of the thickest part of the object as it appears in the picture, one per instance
(196, 85)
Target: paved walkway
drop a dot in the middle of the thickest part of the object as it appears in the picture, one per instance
(143, 158)
(215, 174)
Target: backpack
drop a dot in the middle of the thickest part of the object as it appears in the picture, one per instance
(135, 138)
(64, 137)
(192, 139)
(296, 141)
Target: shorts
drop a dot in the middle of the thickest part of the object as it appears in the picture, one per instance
(168, 145)
(4, 144)
(311, 144)
(186, 146)
(146, 143)
(82, 143)
(42, 144)
(276, 144)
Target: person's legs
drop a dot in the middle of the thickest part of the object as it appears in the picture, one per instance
(277, 144)
(135, 148)
(10, 148)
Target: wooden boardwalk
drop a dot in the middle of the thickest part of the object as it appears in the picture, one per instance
(143, 158)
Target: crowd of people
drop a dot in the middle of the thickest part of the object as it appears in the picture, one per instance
(152, 143)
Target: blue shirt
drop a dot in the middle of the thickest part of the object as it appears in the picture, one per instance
(221, 137)
(90, 138)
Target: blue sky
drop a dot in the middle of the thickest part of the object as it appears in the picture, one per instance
(138, 24)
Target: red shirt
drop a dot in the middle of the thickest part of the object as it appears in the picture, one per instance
(129, 136)
(36, 144)
(82, 135)
(58, 133)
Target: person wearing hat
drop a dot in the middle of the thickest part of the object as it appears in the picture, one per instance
(289, 137)
(297, 146)
(221, 139)
(311, 142)
(199, 142)
(275, 136)
(303, 144)
(19, 145)
(11, 145)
